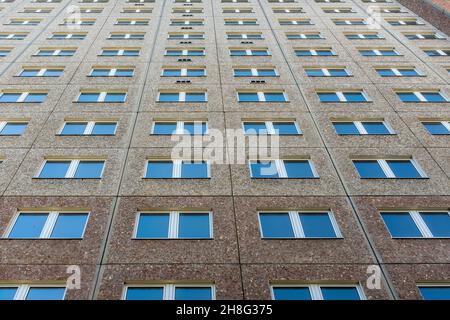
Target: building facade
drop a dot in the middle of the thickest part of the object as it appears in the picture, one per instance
(356, 204)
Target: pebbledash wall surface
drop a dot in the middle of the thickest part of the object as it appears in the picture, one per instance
(364, 83)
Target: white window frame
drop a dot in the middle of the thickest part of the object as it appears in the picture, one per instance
(269, 126)
(326, 71)
(49, 225)
(89, 126)
(389, 174)
(397, 72)
(245, 35)
(170, 289)
(362, 130)
(297, 227)
(314, 52)
(262, 97)
(23, 95)
(183, 71)
(255, 71)
(174, 223)
(315, 289)
(74, 163)
(24, 289)
(281, 169)
(112, 71)
(180, 126)
(41, 71)
(421, 97)
(177, 167)
(419, 222)
(101, 96)
(342, 98)
(182, 96)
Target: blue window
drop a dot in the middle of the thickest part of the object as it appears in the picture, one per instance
(193, 293)
(248, 97)
(401, 225)
(89, 170)
(9, 97)
(7, 293)
(376, 128)
(437, 128)
(164, 128)
(243, 73)
(89, 97)
(54, 169)
(321, 52)
(4, 53)
(194, 170)
(408, 97)
(13, 129)
(169, 97)
(317, 225)
(42, 293)
(35, 97)
(238, 52)
(409, 72)
(354, 97)
(346, 128)
(315, 72)
(384, 52)
(37, 73)
(403, 169)
(292, 293)
(171, 73)
(298, 169)
(74, 128)
(148, 293)
(369, 169)
(115, 97)
(275, 97)
(340, 293)
(69, 226)
(104, 128)
(267, 73)
(159, 169)
(258, 128)
(195, 128)
(30, 97)
(260, 52)
(195, 72)
(276, 225)
(264, 169)
(437, 222)
(195, 97)
(328, 97)
(435, 292)
(194, 226)
(153, 226)
(28, 226)
(386, 73)
(433, 97)
(285, 128)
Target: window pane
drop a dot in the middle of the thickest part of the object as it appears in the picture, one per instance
(35, 97)
(408, 97)
(248, 97)
(88, 97)
(7, 293)
(255, 128)
(435, 293)
(369, 169)
(404, 169)
(89, 169)
(45, 294)
(433, 97)
(100, 73)
(155, 225)
(28, 225)
(436, 128)
(124, 73)
(186, 293)
(314, 73)
(55, 169)
(195, 97)
(328, 97)
(346, 128)
(437, 222)
(355, 97)
(375, 128)
(317, 225)
(195, 128)
(409, 72)
(401, 225)
(73, 128)
(195, 72)
(115, 97)
(386, 73)
(69, 226)
(276, 225)
(275, 97)
(104, 128)
(172, 72)
(194, 170)
(338, 72)
(168, 97)
(242, 72)
(194, 225)
(155, 293)
(9, 97)
(266, 73)
(264, 169)
(342, 293)
(160, 169)
(292, 293)
(14, 129)
(298, 169)
(165, 128)
(285, 128)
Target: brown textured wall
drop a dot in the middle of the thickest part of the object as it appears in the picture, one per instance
(437, 12)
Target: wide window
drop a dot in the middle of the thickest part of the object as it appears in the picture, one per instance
(48, 225)
(167, 169)
(31, 292)
(393, 169)
(271, 127)
(420, 97)
(418, 224)
(362, 128)
(174, 225)
(435, 291)
(107, 97)
(12, 128)
(22, 97)
(342, 96)
(180, 127)
(72, 169)
(317, 292)
(89, 128)
(262, 97)
(170, 292)
(182, 97)
(438, 127)
(275, 169)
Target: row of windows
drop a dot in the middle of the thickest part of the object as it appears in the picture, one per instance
(167, 127)
(199, 225)
(350, 96)
(237, 72)
(202, 291)
(259, 169)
